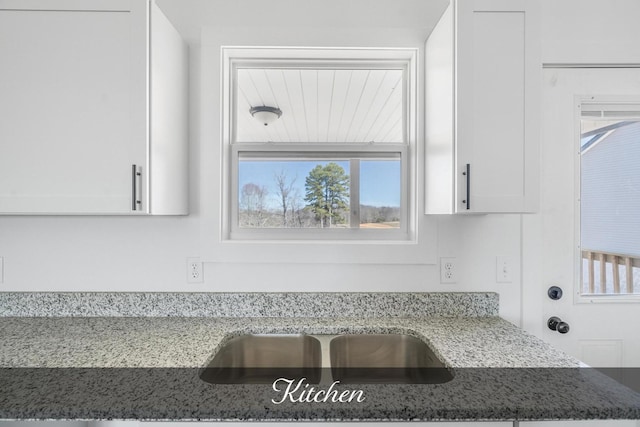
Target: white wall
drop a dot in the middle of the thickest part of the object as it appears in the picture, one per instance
(149, 254)
(590, 31)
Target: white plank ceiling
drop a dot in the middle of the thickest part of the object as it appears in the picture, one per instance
(321, 105)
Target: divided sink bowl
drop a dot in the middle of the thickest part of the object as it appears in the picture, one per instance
(350, 359)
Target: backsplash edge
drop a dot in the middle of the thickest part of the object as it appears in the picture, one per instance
(255, 304)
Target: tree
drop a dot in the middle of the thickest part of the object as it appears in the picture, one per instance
(284, 187)
(327, 193)
(252, 205)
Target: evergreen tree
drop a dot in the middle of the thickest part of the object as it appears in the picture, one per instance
(327, 193)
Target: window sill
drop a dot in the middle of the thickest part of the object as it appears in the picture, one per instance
(608, 299)
(418, 251)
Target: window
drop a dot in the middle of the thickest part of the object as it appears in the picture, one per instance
(334, 192)
(610, 199)
(338, 156)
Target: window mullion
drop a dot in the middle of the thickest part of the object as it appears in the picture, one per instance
(354, 190)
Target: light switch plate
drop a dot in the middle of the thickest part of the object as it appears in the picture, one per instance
(504, 265)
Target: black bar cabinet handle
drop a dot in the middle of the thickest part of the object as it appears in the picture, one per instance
(467, 173)
(135, 188)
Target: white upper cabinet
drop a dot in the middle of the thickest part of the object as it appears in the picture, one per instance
(93, 110)
(483, 70)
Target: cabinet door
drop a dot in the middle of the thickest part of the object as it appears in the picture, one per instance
(497, 86)
(73, 104)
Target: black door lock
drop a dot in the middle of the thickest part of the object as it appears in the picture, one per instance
(555, 292)
(556, 324)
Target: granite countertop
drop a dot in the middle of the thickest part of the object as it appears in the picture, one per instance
(88, 366)
(180, 342)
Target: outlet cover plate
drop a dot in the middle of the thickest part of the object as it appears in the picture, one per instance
(448, 270)
(195, 273)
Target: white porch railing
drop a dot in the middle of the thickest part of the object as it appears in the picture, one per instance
(598, 284)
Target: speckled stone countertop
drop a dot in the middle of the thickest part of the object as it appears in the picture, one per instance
(256, 304)
(148, 367)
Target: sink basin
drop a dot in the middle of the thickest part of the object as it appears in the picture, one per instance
(350, 359)
(261, 359)
(380, 359)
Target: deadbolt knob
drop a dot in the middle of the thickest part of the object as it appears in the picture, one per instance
(555, 292)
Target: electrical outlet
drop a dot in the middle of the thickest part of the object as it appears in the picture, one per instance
(448, 270)
(503, 269)
(195, 273)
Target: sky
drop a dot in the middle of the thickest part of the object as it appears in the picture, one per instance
(379, 179)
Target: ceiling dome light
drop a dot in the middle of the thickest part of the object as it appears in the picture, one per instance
(266, 115)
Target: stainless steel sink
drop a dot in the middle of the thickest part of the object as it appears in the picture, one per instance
(350, 359)
(260, 359)
(379, 359)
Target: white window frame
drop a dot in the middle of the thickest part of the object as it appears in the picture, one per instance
(414, 243)
(593, 103)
